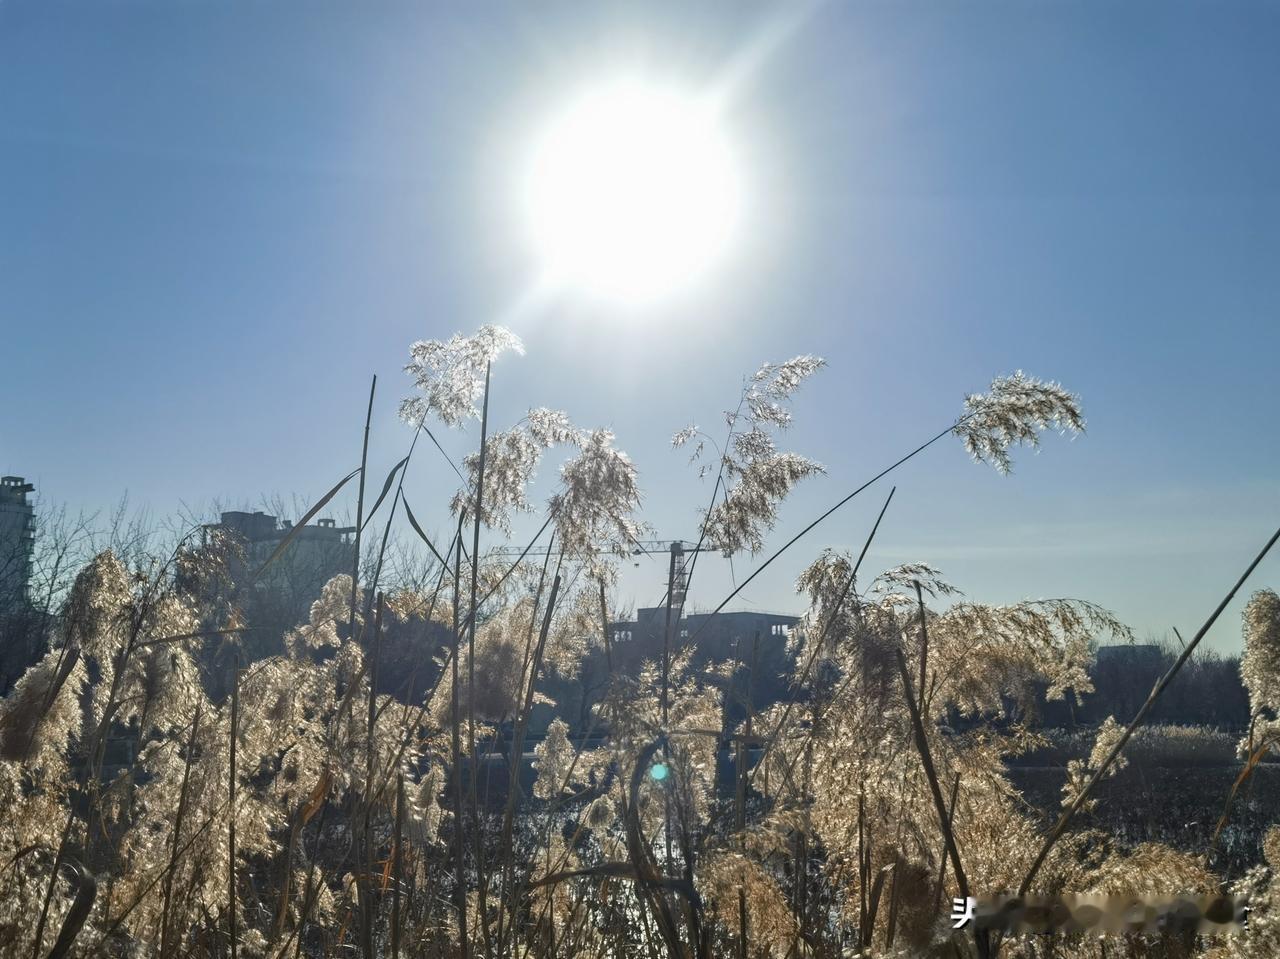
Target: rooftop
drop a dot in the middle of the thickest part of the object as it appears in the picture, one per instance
(14, 489)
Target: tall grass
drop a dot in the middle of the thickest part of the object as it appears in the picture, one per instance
(313, 809)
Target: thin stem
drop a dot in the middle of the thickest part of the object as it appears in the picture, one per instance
(397, 851)
(177, 835)
(231, 806)
(982, 941)
(455, 723)
(364, 463)
(794, 539)
(478, 507)
(364, 887)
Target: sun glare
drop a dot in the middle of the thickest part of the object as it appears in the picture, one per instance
(632, 192)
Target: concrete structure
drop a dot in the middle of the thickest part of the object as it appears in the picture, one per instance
(17, 542)
(729, 637)
(314, 556)
(728, 625)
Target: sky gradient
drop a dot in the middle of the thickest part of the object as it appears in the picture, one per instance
(217, 221)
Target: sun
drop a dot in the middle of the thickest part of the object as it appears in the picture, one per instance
(632, 192)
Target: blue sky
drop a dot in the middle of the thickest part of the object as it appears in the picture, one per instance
(218, 220)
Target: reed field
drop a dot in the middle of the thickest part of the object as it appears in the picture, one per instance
(367, 783)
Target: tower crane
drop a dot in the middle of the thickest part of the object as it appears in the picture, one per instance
(677, 572)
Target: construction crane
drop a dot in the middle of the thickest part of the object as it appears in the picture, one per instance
(677, 572)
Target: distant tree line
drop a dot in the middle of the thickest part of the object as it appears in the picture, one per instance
(1208, 691)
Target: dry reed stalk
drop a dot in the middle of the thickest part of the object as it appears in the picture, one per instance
(646, 873)
(364, 465)
(58, 857)
(397, 853)
(926, 759)
(473, 622)
(802, 841)
(397, 470)
(894, 897)
(740, 790)
(455, 729)
(862, 861)
(231, 806)
(873, 903)
(81, 905)
(1255, 757)
(924, 646)
(981, 938)
(604, 633)
(942, 865)
(177, 835)
(666, 683)
(367, 913)
(517, 743)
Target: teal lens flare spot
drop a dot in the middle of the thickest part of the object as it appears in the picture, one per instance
(658, 771)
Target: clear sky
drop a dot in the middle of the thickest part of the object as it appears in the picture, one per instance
(218, 220)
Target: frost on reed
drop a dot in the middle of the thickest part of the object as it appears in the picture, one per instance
(361, 822)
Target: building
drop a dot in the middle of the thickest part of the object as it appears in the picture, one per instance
(718, 634)
(293, 581)
(741, 638)
(17, 542)
(720, 638)
(1130, 654)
